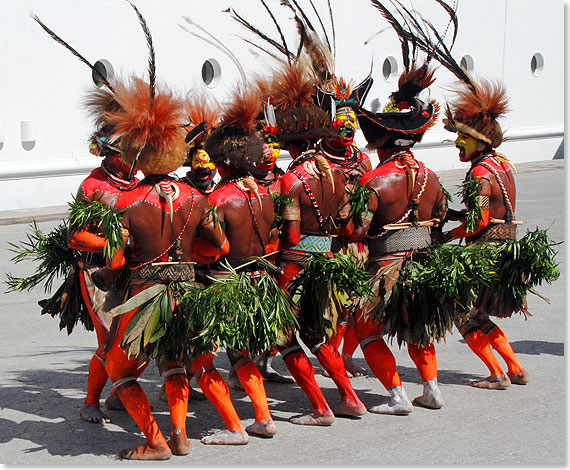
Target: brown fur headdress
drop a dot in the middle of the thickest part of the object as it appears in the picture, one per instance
(476, 110)
(292, 93)
(149, 126)
(235, 142)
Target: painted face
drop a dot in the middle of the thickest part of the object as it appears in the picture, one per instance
(271, 152)
(201, 159)
(346, 124)
(467, 145)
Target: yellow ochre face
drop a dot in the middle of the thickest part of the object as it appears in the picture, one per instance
(466, 145)
(201, 159)
(347, 115)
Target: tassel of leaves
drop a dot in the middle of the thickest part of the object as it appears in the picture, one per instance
(240, 312)
(56, 260)
(158, 330)
(280, 202)
(84, 214)
(324, 288)
(469, 190)
(521, 266)
(359, 200)
(448, 197)
(431, 289)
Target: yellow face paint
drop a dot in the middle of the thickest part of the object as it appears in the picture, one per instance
(201, 159)
(347, 115)
(466, 145)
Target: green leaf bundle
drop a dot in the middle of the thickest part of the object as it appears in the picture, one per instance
(84, 214)
(325, 288)
(240, 312)
(434, 288)
(280, 202)
(359, 201)
(158, 330)
(469, 190)
(56, 260)
(521, 266)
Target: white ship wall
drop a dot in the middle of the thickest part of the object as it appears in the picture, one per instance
(43, 131)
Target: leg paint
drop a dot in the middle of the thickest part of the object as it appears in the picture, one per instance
(425, 360)
(252, 383)
(480, 345)
(331, 360)
(501, 344)
(302, 371)
(176, 388)
(136, 403)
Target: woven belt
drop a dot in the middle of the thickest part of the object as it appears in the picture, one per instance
(314, 244)
(495, 233)
(406, 239)
(164, 272)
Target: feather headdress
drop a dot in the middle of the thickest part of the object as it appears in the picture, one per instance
(476, 110)
(149, 127)
(235, 142)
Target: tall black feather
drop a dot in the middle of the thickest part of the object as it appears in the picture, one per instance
(151, 56)
(236, 17)
(278, 29)
(452, 17)
(322, 25)
(332, 27)
(399, 30)
(60, 41)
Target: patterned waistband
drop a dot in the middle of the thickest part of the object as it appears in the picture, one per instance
(495, 233)
(413, 238)
(164, 273)
(314, 244)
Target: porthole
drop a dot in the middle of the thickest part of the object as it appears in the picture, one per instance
(390, 68)
(536, 64)
(104, 67)
(211, 73)
(467, 64)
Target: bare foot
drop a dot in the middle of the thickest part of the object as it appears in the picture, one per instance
(262, 428)
(227, 438)
(498, 382)
(233, 380)
(350, 409)
(179, 443)
(113, 402)
(146, 452)
(194, 394)
(314, 419)
(522, 378)
(93, 414)
(353, 369)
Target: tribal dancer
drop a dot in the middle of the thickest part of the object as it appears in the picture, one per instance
(405, 199)
(236, 149)
(490, 217)
(99, 191)
(339, 98)
(316, 190)
(162, 217)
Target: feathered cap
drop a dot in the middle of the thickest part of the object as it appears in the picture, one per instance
(406, 117)
(235, 142)
(203, 115)
(297, 117)
(98, 102)
(475, 111)
(148, 127)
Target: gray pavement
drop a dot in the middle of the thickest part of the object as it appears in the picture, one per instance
(43, 374)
